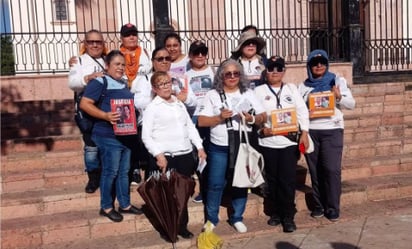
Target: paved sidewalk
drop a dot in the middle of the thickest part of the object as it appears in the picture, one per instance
(389, 230)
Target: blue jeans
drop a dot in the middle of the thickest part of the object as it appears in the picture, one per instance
(91, 154)
(91, 158)
(216, 181)
(115, 159)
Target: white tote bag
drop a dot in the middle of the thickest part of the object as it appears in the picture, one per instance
(249, 163)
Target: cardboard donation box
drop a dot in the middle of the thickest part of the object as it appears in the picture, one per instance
(321, 105)
(284, 121)
(126, 125)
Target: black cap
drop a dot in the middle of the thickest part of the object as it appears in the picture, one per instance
(128, 29)
(275, 61)
(198, 47)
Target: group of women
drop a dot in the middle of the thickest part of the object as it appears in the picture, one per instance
(170, 133)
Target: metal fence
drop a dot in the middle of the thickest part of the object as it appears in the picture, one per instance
(374, 35)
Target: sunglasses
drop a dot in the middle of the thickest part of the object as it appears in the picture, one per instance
(318, 60)
(202, 51)
(163, 58)
(230, 75)
(92, 42)
(252, 43)
(164, 84)
(275, 69)
(130, 34)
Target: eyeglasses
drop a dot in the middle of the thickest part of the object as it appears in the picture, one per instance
(164, 84)
(230, 75)
(92, 42)
(163, 58)
(275, 69)
(318, 60)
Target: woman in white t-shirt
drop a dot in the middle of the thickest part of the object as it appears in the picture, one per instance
(222, 107)
(247, 54)
(180, 61)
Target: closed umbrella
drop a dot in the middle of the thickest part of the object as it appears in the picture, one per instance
(166, 196)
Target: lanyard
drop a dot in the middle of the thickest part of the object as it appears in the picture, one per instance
(101, 66)
(277, 95)
(228, 121)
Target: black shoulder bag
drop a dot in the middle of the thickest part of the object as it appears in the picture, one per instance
(83, 120)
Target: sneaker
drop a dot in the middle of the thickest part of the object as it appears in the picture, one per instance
(332, 215)
(317, 213)
(240, 227)
(136, 178)
(198, 199)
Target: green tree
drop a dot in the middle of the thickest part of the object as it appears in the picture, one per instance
(7, 56)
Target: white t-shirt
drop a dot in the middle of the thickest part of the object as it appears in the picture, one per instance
(289, 97)
(253, 69)
(236, 102)
(200, 82)
(179, 68)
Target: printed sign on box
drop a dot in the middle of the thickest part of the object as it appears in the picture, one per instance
(321, 104)
(126, 125)
(284, 121)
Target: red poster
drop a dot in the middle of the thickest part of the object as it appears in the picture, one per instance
(126, 125)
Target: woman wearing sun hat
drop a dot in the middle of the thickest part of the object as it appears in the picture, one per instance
(246, 53)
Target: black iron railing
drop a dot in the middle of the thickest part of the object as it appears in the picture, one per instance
(375, 35)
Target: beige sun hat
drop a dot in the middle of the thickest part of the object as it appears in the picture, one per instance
(248, 37)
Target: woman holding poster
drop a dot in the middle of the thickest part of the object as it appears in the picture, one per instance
(326, 130)
(114, 154)
(287, 114)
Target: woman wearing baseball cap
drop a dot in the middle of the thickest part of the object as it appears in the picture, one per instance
(280, 147)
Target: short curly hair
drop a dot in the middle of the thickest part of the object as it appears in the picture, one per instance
(218, 82)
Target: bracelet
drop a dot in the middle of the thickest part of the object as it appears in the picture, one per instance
(253, 120)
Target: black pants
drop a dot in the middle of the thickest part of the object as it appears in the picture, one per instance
(183, 164)
(280, 170)
(325, 168)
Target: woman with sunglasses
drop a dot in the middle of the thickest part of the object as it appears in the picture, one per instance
(143, 91)
(169, 135)
(142, 87)
(88, 66)
(200, 77)
(326, 132)
(137, 58)
(222, 108)
(247, 54)
(279, 142)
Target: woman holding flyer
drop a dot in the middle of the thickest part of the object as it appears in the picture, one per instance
(326, 129)
(115, 156)
(287, 114)
(222, 110)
